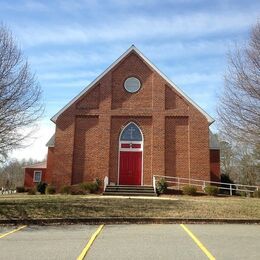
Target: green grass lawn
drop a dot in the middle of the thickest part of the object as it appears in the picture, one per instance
(68, 206)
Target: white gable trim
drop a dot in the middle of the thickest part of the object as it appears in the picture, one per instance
(133, 48)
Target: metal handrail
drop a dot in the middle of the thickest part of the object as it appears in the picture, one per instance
(106, 182)
(184, 181)
(181, 178)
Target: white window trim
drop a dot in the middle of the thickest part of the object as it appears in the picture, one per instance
(132, 91)
(131, 149)
(34, 174)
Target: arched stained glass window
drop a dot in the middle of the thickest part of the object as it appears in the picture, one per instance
(131, 133)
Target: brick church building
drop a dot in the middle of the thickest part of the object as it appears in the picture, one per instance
(129, 124)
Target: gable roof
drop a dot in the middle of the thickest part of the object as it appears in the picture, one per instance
(40, 165)
(213, 141)
(133, 48)
(51, 142)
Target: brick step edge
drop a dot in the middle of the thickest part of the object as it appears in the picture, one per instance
(125, 220)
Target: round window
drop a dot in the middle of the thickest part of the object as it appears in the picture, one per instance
(132, 84)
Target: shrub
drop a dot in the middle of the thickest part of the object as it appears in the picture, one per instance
(98, 182)
(211, 190)
(189, 190)
(32, 191)
(20, 189)
(77, 190)
(257, 194)
(247, 194)
(242, 193)
(226, 179)
(90, 187)
(50, 189)
(251, 195)
(41, 187)
(161, 186)
(65, 190)
(82, 185)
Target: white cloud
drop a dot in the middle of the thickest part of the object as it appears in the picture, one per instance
(53, 76)
(23, 6)
(197, 78)
(70, 58)
(34, 6)
(140, 27)
(119, 5)
(36, 145)
(76, 84)
(182, 49)
(58, 57)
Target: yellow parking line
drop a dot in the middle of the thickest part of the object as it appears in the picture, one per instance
(13, 231)
(200, 245)
(90, 242)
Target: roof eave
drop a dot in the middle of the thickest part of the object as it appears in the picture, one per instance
(133, 48)
(55, 117)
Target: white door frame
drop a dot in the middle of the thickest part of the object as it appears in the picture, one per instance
(130, 150)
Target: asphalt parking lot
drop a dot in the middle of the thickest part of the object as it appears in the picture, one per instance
(173, 241)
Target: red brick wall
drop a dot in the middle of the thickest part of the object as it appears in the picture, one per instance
(214, 165)
(121, 99)
(176, 147)
(86, 155)
(50, 164)
(28, 177)
(64, 148)
(176, 141)
(91, 101)
(198, 145)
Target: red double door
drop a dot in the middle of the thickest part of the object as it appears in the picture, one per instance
(130, 168)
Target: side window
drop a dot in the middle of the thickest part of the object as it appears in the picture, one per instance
(37, 176)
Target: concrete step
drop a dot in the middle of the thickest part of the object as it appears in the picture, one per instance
(151, 194)
(129, 190)
(130, 186)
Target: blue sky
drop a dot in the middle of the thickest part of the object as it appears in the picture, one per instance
(70, 42)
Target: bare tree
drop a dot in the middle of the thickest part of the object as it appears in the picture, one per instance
(20, 95)
(12, 173)
(247, 166)
(239, 106)
(226, 157)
